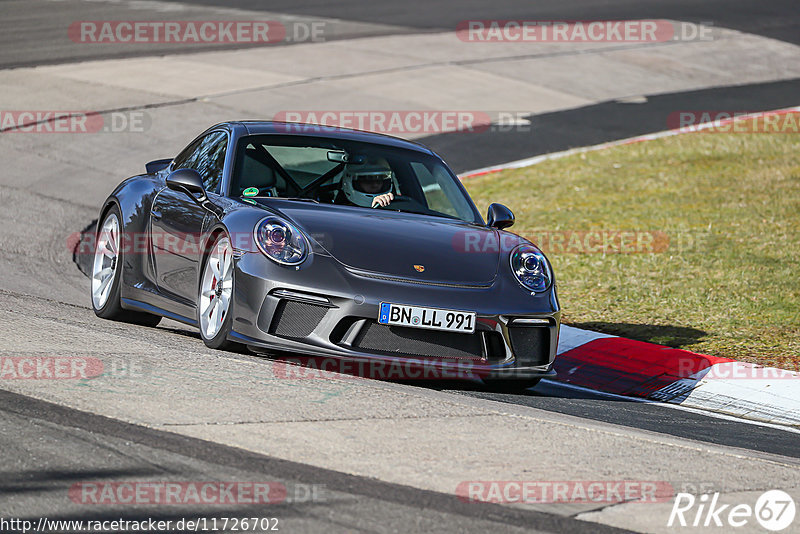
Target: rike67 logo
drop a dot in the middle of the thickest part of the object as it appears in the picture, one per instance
(774, 510)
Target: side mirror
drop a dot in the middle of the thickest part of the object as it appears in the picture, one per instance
(188, 181)
(499, 216)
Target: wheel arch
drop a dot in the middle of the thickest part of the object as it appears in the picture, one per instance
(213, 234)
(109, 203)
(133, 198)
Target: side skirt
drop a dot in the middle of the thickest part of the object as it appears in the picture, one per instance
(143, 306)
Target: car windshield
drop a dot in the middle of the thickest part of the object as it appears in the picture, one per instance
(353, 173)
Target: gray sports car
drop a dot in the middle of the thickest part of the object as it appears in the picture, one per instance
(329, 243)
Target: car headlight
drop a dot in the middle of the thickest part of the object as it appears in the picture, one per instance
(531, 268)
(281, 241)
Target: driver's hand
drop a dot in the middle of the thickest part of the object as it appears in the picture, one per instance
(382, 200)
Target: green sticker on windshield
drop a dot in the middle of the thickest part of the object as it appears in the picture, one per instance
(250, 192)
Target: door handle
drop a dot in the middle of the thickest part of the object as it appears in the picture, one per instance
(156, 215)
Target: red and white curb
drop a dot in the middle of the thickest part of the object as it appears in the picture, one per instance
(620, 366)
(629, 368)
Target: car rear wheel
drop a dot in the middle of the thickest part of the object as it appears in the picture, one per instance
(107, 274)
(214, 299)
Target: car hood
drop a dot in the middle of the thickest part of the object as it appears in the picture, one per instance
(391, 243)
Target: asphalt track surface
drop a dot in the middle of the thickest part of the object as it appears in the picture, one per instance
(55, 447)
(777, 19)
(556, 397)
(600, 123)
(33, 33)
(46, 447)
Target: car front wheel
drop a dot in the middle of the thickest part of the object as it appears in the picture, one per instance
(215, 294)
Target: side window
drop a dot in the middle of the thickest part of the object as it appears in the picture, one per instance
(184, 159)
(441, 193)
(206, 156)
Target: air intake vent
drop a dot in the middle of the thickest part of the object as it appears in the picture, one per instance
(531, 344)
(401, 341)
(296, 320)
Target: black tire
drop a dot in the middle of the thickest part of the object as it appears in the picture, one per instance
(220, 341)
(112, 308)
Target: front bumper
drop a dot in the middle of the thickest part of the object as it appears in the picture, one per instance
(333, 314)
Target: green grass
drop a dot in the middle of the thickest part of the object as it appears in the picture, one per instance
(728, 282)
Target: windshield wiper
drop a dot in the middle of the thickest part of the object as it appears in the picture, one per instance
(430, 213)
(299, 199)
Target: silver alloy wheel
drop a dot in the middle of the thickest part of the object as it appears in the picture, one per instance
(106, 257)
(216, 288)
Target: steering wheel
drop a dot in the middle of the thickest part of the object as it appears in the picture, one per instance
(324, 193)
(401, 198)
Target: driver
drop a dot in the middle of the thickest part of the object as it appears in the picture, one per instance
(368, 184)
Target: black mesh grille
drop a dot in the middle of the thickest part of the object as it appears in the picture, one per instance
(531, 345)
(402, 341)
(296, 319)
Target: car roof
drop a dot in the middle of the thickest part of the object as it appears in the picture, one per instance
(254, 127)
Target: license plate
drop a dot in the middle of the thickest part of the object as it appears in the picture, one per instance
(430, 318)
